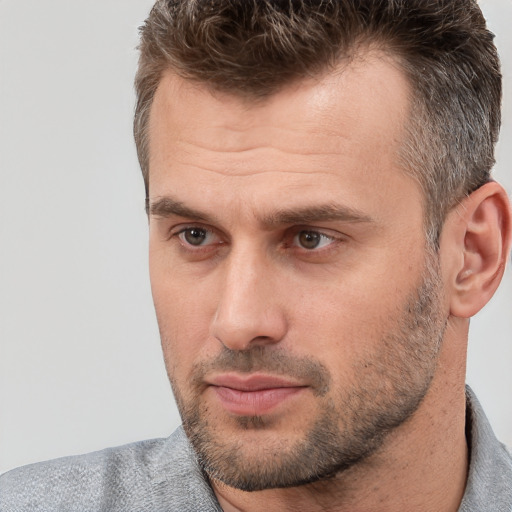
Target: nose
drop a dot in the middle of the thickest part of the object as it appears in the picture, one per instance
(249, 312)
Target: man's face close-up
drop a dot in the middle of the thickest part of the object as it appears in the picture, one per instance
(300, 307)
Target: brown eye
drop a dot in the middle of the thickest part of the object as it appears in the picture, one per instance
(194, 236)
(309, 239)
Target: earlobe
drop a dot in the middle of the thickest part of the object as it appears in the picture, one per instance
(481, 226)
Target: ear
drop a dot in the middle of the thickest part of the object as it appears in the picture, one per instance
(475, 246)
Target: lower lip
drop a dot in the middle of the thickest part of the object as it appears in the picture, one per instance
(254, 403)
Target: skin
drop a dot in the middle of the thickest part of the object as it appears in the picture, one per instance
(233, 167)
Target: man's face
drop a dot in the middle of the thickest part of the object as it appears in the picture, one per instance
(299, 309)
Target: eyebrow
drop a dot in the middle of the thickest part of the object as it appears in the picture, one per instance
(165, 207)
(317, 213)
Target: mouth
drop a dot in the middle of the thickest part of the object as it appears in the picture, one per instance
(253, 395)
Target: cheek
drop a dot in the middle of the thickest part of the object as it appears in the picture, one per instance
(184, 315)
(183, 324)
(345, 323)
(178, 300)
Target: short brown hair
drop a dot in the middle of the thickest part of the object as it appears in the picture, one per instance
(251, 48)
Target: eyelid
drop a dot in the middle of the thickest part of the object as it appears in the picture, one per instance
(288, 238)
(326, 232)
(335, 239)
(179, 229)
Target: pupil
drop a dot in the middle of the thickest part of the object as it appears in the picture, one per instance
(195, 236)
(309, 239)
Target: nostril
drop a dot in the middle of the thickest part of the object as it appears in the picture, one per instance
(241, 332)
(249, 311)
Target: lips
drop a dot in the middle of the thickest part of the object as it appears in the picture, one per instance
(253, 395)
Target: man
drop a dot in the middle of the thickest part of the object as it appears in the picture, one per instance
(323, 224)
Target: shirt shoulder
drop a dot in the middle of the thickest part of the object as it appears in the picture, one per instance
(153, 475)
(489, 484)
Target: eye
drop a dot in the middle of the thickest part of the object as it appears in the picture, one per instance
(312, 239)
(196, 236)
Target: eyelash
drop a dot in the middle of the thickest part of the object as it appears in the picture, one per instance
(316, 233)
(289, 243)
(184, 231)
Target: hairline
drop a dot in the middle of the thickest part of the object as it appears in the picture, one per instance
(408, 154)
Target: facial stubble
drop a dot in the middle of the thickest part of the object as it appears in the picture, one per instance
(350, 425)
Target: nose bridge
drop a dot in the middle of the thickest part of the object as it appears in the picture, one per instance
(248, 310)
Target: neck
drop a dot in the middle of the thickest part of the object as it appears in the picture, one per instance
(422, 465)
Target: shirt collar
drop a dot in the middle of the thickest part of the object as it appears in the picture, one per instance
(489, 484)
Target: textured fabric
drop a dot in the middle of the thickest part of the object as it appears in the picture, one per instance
(489, 485)
(162, 475)
(158, 475)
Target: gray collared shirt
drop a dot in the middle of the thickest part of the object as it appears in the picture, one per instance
(163, 475)
(489, 485)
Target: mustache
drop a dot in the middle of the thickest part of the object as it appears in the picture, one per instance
(263, 359)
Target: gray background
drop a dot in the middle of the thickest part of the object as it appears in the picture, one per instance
(80, 362)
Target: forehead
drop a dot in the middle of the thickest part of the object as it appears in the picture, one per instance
(345, 127)
(358, 100)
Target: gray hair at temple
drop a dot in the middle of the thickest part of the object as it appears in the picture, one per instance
(251, 48)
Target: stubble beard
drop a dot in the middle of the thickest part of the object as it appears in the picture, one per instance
(351, 424)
